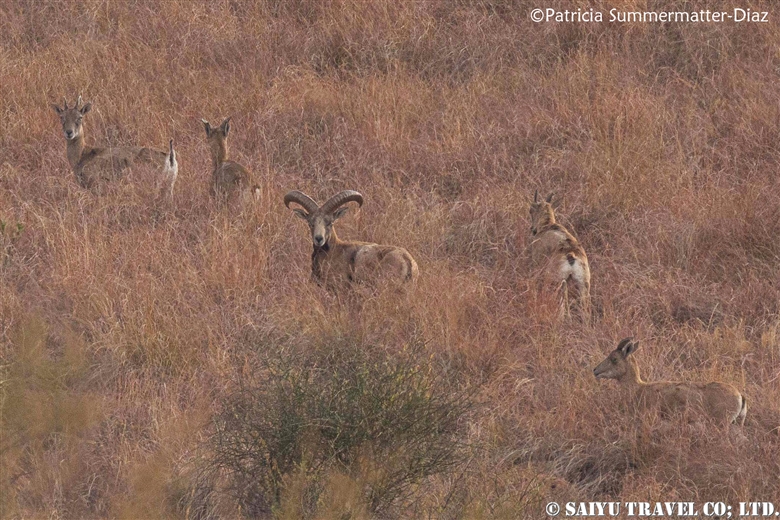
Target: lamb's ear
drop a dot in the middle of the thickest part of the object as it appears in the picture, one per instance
(340, 212)
(549, 198)
(301, 213)
(207, 126)
(57, 109)
(86, 108)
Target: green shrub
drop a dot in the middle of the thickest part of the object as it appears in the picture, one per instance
(385, 419)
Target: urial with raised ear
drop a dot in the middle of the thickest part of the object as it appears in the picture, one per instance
(336, 263)
(558, 256)
(93, 165)
(229, 179)
(720, 401)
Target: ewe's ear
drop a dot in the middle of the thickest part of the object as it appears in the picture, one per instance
(631, 348)
(86, 108)
(225, 127)
(340, 212)
(301, 213)
(207, 127)
(624, 345)
(549, 198)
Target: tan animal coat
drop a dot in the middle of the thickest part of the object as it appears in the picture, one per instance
(229, 180)
(337, 263)
(557, 256)
(720, 401)
(94, 165)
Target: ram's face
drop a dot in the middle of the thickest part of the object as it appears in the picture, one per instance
(321, 227)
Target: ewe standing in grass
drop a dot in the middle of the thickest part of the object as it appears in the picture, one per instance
(720, 401)
(95, 165)
(229, 180)
(336, 263)
(558, 257)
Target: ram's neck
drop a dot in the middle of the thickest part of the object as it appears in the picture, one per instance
(320, 254)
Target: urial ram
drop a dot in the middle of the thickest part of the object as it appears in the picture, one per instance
(336, 263)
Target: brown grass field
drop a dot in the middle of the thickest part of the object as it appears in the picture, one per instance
(175, 361)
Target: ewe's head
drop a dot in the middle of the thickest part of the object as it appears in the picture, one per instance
(217, 137)
(616, 365)
(71, 118)
(321, 218)
(541, 212)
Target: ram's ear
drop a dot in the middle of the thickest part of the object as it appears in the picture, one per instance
(631, 348)
(549, 198)
(207, 126)
(340, 212)
(301, 213)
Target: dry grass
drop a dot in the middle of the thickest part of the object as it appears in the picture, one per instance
(124, 327)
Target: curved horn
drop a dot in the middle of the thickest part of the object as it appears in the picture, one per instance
(340, 199)
(302, 199)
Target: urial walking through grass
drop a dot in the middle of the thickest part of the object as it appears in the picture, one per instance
(558, 257)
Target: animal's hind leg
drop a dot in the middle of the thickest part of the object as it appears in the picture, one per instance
(584, 300)
(563, 296)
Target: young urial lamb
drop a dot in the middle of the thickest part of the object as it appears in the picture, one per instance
(720, 401)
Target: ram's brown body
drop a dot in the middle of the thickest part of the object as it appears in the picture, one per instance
(340, 263)
(557, 256)
(721, 401)
(337, 264)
